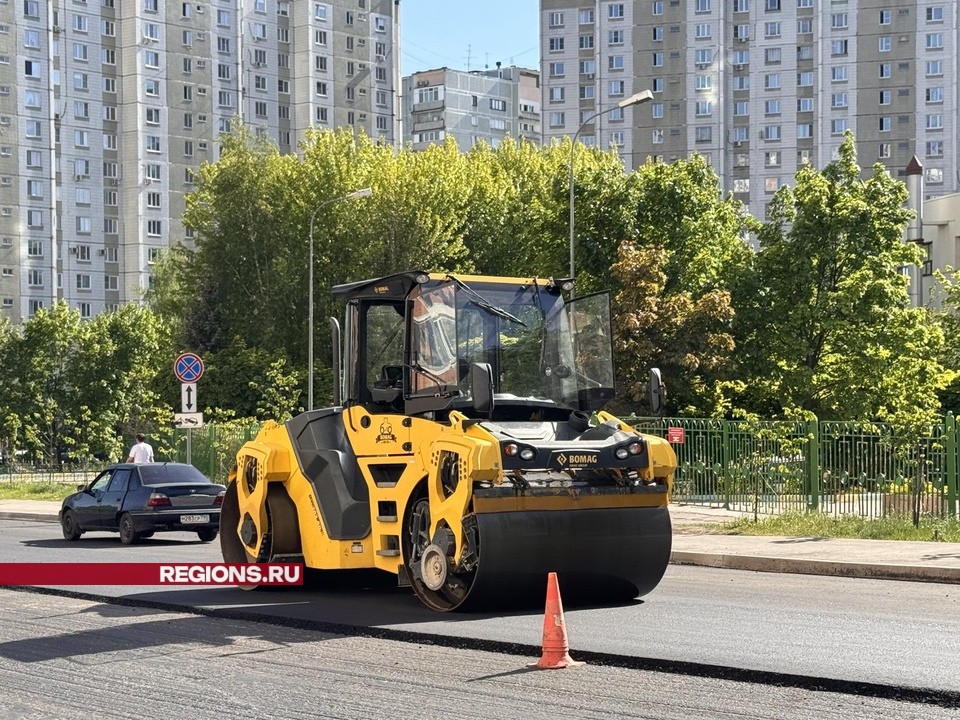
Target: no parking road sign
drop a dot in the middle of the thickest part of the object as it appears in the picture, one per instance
(188, 368)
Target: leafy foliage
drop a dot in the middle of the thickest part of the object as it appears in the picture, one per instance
(824, 321)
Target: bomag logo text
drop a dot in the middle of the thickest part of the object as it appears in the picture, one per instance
(577, 459)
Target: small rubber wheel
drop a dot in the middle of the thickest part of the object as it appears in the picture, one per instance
(71, 528)
(128, 535)
(207, 534)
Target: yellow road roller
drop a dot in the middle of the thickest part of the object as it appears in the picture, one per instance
(467, 451)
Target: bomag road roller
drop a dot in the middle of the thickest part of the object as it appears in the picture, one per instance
(466, 451)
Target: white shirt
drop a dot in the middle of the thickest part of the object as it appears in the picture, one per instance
(141, 452)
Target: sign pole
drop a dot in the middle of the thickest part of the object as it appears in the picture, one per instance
(188, 367)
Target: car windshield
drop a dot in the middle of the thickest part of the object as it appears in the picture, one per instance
(163, 474)
(538, 346)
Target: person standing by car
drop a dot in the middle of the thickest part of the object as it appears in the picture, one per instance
(141, 452)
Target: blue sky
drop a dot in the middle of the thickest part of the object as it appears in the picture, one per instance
(438, 33)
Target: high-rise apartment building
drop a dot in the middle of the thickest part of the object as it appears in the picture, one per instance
(486, 105)
(109, 107)
(758, 87)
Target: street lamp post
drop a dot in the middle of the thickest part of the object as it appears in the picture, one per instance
(636, 99)
(365, 192)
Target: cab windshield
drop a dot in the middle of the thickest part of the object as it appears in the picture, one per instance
(539, 347)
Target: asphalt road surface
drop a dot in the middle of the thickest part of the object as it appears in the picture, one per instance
(63, 657)
(875, 639)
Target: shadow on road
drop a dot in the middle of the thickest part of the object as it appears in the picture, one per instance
(108, 541)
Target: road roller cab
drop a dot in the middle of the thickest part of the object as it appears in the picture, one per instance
(467, 451)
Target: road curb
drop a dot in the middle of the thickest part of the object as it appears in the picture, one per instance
(758, 563)
(34, 517)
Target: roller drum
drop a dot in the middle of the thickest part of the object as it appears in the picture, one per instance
(600, 555)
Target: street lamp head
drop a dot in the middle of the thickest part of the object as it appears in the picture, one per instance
(365, 192)
(636, 99)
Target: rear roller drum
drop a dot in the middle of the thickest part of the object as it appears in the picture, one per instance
(281, 536)
(429, 562)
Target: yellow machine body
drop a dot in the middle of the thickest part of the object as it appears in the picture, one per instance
(471, 503)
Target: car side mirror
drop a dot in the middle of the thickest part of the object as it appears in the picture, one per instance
(81, 487)
(481, 387)
(657, 391)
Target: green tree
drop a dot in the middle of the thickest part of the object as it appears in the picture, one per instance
(824, 324)
(77, 388)
(673, 308)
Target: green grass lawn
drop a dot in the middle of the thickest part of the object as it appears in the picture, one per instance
(35, 490)
(820, 525)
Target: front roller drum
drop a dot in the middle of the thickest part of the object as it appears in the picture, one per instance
(600, 555)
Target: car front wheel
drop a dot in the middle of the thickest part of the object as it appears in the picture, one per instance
(71, 529)
(128, 535)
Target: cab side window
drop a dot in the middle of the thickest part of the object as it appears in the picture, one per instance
(383, 350)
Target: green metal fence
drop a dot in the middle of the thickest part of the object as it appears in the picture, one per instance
(840, 468)
(213, 450)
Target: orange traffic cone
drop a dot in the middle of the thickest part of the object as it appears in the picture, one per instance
(556, 649)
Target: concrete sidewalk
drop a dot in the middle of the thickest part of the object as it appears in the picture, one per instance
(697, 542)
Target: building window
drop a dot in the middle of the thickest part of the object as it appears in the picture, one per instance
(885, 70)
(555, 44)
(615, 11)
(935, 148)
(883, 151)
(557, 119)
(838, 126)
(934, 95)
(838, 100)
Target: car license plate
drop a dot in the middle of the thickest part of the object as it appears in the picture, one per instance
(194, 519)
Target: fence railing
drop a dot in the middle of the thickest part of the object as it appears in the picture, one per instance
(213, 451)
(840, 468)
(763, 467)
